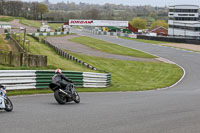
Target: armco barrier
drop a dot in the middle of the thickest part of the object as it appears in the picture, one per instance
(33, 79)
(48, 33)
(171, 39)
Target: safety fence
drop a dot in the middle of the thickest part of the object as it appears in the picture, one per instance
(175, 39)
(22, 59)
(38, 79)
(48, 33)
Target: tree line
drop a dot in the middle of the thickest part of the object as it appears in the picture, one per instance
(70, 10)
(29, 10)
(143, 15)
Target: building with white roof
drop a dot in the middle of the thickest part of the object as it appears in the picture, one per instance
(184, 21)
(5, 25)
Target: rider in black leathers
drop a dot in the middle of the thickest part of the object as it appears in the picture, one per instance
(58, 79)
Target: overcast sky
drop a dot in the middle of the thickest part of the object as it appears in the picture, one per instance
(131, 2)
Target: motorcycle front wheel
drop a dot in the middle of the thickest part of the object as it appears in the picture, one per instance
(8, 105)
(60, 97)
(77, 97)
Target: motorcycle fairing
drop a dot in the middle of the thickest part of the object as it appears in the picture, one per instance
(2, 103)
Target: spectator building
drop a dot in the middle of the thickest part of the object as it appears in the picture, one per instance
(184, 21)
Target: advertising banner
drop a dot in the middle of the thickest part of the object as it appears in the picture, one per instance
(98, 23)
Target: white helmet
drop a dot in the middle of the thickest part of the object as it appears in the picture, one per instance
(58, 71)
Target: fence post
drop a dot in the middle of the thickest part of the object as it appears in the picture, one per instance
(10, 58)
(29, 60)
(21, 59)
(45, 61)
(28, 46)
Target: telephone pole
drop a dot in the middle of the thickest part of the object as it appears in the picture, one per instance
(2, 5)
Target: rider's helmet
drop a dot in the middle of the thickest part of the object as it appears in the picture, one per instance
(58, 71)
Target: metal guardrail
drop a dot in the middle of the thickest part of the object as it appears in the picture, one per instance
(35, 79)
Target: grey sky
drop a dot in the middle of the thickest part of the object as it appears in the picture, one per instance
(131, 2)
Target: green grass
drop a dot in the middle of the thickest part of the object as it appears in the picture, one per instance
(37, 24)
(3, 44)
(110, 47)
(53, 58)
(43, 37)
(143, 40)
(32, 23)
(9, 18)
(126, 75)
(28, 92)
(6, 18)
(157, 42)
(133, 75)
(55, 25)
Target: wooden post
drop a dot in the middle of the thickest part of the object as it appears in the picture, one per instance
(10, 58)
(29, 60)
(21, 59)
(28, 46)
(24, 38)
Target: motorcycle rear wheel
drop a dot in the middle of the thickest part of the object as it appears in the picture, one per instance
(8, 105)
(60, 97)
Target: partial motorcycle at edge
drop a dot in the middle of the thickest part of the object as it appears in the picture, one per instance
(5, 102)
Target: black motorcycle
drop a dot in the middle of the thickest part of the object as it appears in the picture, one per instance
(62, 95)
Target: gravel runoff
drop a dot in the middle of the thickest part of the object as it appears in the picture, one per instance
(185, 46)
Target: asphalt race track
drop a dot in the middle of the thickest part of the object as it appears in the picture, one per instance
(172, 110)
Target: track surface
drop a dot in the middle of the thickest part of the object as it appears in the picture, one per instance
(15, 24)
(64, 43)
(174, 110)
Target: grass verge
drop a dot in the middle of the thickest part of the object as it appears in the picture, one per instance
(181, 48)
(55, 25)
(161, 43)
(8, 18)
(53, 59)
(133, 75)
(3, 44)
(28, 92)
(31, 23)
(37, 24)
(110, 47)
(143, 40)
(126, 75)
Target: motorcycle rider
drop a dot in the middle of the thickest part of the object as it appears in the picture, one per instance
(58, 79)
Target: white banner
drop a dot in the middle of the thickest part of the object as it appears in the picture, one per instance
(98, 23)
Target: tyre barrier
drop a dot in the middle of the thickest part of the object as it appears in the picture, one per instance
(68, 56)
(110, 33)
(39, 79)
(48, 34)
